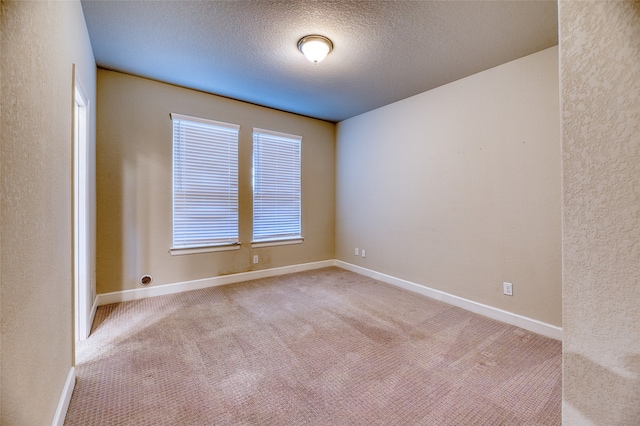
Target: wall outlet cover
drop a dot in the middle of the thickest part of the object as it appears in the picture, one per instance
(507, 288)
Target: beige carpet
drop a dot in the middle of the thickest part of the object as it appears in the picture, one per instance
(324, 347)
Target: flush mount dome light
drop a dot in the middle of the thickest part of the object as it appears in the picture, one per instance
(315, 47)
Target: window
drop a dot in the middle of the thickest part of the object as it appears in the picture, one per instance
(276, 187)
(205, 184)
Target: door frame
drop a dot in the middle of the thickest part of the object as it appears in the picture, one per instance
(81, 210)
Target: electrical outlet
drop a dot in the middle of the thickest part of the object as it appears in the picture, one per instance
(357, 252)
(364, 253)
(507, 288)
(255, 258)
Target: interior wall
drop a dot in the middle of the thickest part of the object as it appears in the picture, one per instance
(134, 181)
(458, 188)
(40, 42)
(600, 92)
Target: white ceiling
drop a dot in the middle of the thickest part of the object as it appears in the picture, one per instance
(384, 51)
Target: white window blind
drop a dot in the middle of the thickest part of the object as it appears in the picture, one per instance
(276, 186)
(205, 182)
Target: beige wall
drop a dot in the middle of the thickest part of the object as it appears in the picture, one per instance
(40, 42)
(473, 169)
(458, 188)
(600, 92)
(134, 154)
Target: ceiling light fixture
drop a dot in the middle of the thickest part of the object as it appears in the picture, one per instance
(315, 47)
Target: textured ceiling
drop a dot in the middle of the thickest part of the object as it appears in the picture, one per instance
(384, 51)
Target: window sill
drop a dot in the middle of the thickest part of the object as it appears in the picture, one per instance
(258, 244)
(197, 250)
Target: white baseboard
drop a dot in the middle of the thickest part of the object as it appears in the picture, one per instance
(530, 324)
(65, 399)
(141, 293)
(92, 315)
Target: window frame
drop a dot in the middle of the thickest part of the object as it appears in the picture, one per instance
(229, 242)
(276, 240)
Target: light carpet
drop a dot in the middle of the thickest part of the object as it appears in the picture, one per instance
(322, 347)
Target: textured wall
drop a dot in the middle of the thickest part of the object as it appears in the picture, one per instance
(134, 160)
(40, 42)
(458, 188)
(600, 92)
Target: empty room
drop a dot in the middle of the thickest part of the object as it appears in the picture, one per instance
(332, 212)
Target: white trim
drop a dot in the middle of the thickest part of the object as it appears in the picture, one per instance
(530, 324)
(201, 120)
(81, 210)
(209, 249)
(65, 399)
(270, 243)
(278, 134)
(160, 290)
(92, 314)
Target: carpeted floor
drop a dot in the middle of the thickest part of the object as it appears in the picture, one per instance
(323, 347)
